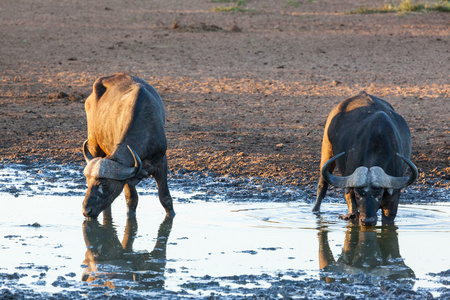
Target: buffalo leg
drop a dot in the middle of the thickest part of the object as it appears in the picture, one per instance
(322, 186)
(351, 205)
(163, 189)
(131, 196)
(389, 207)
(107, 216)
(326, 154)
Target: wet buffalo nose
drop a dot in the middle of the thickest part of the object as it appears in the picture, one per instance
(88, 212)
(368, 221)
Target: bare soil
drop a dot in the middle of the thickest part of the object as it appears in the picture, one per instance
(246, 93)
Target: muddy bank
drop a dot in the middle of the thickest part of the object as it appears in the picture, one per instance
(68, 180)
(280, 288)
(242, 103)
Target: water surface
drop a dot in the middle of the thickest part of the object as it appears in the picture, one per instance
(217, 246)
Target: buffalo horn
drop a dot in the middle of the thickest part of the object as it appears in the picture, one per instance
(378, 176)
(108, 168)
(87, 155)
(123, 172)
(331, 179)
(137, 161)
(358, 178)
(381, 179)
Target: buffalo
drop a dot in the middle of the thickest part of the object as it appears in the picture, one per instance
(126, 143)
(371, 146)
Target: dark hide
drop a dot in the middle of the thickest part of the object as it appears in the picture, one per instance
(367, 132)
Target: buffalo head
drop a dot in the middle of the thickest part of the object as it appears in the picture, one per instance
(368, 186)
(105, 179)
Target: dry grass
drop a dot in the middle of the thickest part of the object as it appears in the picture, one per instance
(405, 6)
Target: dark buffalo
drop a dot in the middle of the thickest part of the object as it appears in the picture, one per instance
(126, 143)
(371, 145)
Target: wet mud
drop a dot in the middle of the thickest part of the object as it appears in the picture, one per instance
(231, 238)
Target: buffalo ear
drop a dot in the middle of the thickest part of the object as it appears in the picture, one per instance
(390, 191)
(122, 81)
(99, 88)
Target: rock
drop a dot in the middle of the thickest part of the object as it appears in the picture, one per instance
(235, 28)
(335, 83)
(62, 95)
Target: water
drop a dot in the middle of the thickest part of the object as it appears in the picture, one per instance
(228, 248)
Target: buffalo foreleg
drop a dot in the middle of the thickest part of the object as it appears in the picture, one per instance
(163, 189)
(322, 185)
(351, 205)
(131, 196)
(389, 207)
(107, 216)
(322, 188)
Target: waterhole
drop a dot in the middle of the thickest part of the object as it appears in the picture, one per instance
(234, 248)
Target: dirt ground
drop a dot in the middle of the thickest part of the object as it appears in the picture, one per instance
(247, 93)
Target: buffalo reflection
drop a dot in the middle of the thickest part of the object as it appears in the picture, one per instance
(366, 251)
(115, 263)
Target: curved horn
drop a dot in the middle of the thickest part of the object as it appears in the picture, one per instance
(87, 155)
(123, 172)
(358, 178)
(137, 161)
(381, 179)
(412, 167)
(331, 179)
(108, 168)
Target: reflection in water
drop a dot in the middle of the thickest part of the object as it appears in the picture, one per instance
(111, 261)
(369, 251)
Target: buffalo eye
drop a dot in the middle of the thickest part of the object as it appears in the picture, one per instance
(102, 183)
(361, 192)
(377, 191)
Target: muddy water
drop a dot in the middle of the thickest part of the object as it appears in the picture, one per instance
(239, 248)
